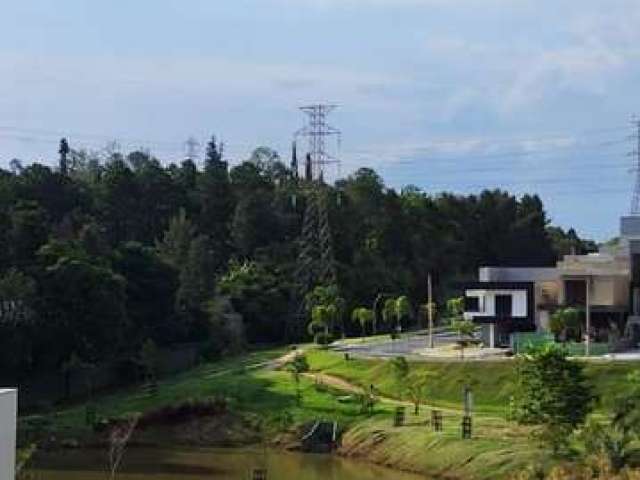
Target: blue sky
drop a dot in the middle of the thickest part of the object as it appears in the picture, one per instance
(457, 95)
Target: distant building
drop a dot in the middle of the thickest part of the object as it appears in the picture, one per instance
(8, 414)
(605, 285)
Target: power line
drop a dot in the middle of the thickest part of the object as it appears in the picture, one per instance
(505, 156)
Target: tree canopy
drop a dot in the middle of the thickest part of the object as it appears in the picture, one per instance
(119, 249)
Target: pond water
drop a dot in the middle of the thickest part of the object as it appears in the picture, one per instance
(208, 464)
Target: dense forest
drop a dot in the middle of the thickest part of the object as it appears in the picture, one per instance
(107, 251)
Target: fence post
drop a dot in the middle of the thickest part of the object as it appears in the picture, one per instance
(259, 474)
(436, 420)
(466, 427)
(398, 419)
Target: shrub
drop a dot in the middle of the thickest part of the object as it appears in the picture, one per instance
(551, 389)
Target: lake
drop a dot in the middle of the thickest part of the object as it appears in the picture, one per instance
(208, 464)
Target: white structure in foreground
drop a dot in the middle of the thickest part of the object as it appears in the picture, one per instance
(8, 415)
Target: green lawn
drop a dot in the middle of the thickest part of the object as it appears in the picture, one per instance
(497, 448)
(492, 381)
(250, 390)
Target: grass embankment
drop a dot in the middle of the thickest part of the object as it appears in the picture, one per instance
(253, 391)
(491, 381)
(498, 448)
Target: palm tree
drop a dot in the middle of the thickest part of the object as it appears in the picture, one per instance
(389, 311)
(455, 307)
(341, 307)
(320, 320)
(403, 310)
(362, 316)
(327, 297)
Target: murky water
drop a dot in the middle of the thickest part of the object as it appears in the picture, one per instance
(208, 464)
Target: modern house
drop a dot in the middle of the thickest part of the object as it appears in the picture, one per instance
(8, 412)
(605, 285)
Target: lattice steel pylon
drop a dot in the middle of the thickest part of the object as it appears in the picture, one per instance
(315, 263)
(317, 130)
(635, 199)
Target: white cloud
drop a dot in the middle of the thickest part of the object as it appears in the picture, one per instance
(48, 77)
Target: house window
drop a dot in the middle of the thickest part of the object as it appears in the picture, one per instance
(504, 306)
(575, 292)
(471, 304)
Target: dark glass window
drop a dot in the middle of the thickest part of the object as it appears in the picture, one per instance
(504, 306)
(471, 304)
(575, 292)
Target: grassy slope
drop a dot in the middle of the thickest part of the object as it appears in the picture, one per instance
(498, 449)
(265, 393)
(491, 381)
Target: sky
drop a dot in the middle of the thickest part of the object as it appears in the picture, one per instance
(448, 95)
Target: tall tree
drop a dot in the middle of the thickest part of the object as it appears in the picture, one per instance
(197, 278)
(175, 244)
(119, 202)
(83, 308)
(151, 287)
(216, 202)
(28, 232)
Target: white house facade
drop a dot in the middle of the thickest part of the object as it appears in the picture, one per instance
(8, 414)
(605, 286)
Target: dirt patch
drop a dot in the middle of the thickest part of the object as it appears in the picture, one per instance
(224, 430)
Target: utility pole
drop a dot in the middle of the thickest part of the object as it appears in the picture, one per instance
(294, 159)
(635, 200)
(430, 308)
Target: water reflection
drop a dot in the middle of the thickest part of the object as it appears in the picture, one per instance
(208, 464)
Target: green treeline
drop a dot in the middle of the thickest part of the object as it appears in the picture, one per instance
(109, 251)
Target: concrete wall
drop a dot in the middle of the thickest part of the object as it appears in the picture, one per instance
(602, 292)
(630, 226)
(609, 290)
(548, 292)
(517, 274)
(8, 412)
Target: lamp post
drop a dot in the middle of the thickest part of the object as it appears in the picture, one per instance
(430, 308)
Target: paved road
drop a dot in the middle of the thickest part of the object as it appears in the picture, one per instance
(403, 346)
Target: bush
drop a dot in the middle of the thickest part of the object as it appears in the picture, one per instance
(607, 441)
(551, 389)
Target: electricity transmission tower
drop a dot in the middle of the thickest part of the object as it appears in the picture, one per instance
(635, 199)
(316, 263)
(192, 146)
(317, 130)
